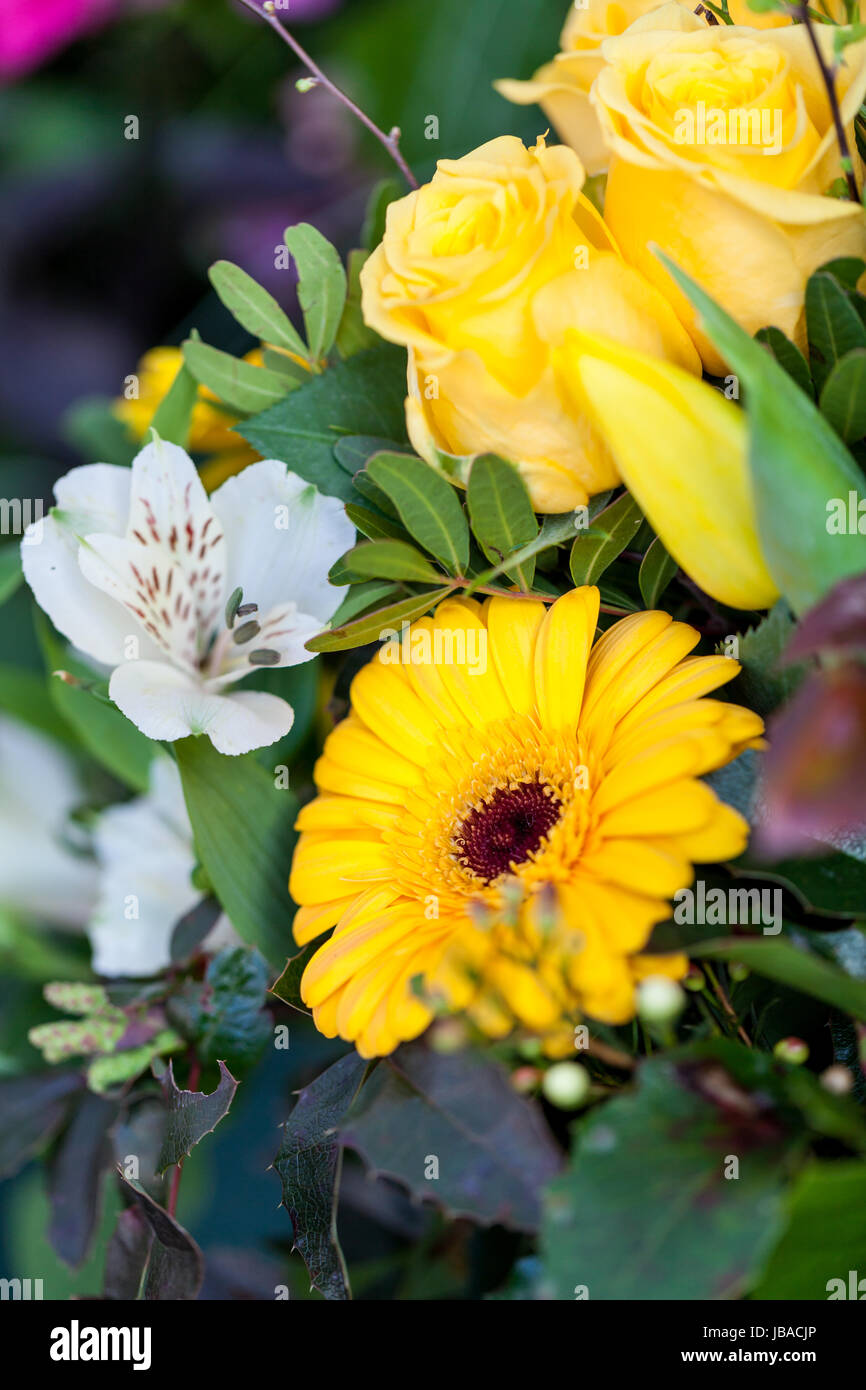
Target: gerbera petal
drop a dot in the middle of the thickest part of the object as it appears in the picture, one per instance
(562, 650)
(512, 629)
(640, 866)
(675, 809)
(461, 649)
(384, 699)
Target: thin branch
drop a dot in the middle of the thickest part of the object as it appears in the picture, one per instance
(391, 142)
(802, 11)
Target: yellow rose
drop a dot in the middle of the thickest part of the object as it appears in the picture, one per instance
(477, 273)
(723, 152)
(561, 87)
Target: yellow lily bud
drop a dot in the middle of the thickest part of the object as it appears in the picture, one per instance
(682, 451)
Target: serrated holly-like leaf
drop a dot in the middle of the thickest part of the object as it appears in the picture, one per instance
(611, 532)
(231, 1022)
(372, 626)
(321, 285)
(126, 1256)
(308, 1165)
(645, 1210)
(843, 396)
(238, 384)
(244, 835)
(493, 1148)
(428, 505)
(655, 574)
(390, 559)
(191, 1114)
(254, 308)
(32, 1109)
(76, 1171)
(288, 986)
(361, 396)
(175, 1269)
(501, 513)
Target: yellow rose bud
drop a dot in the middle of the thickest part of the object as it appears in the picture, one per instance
(477, 272)
(682, 450)
(723, 151)
(561, 87)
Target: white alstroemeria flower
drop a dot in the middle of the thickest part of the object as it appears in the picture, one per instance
(144, 849)
(135, 568)
(41, 875)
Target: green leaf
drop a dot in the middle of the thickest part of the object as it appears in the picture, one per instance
(799, 465)
(11, 574)
(390, 559)
(353, 451)
(95, 432)
(501, 513)
(371, 626)
(363, 596)
(174, 412)
(833, 325)
(238, 384)
(824, 1238)
(494, 1149)
(321, 286)
(789, 356)
(362, 396)
(26, 696)
(175, 1269)
(645, 1210)
(372, 524)
(655, 574)
(191, 1114)
(778, 959)
(254, 308)
(353, 335)
(843, 398)
(243, 829)
(308, 1165)
(286, 366)
(106, 733)
(611, 532)
(384, 193)
(428, 506)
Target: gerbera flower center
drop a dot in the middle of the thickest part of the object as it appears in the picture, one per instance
(507, 830)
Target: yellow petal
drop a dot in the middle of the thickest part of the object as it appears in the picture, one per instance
(561, 653)
(682, 450)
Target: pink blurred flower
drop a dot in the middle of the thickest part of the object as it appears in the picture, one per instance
(33, 30)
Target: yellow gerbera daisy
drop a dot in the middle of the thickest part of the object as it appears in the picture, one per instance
(504, 815)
